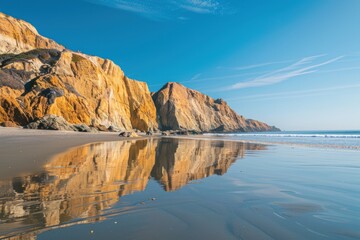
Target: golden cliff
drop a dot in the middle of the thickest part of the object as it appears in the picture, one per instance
(40, 77)
(181, 108)
(17, 36)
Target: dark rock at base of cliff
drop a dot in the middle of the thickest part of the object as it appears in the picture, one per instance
(113, 129)
(180, 132)
(128, 134)
(52, 122)
(8, 124)
(84, 128)
(221, 128)
(101, 128)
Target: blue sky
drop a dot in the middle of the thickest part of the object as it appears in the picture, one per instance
(291, 63)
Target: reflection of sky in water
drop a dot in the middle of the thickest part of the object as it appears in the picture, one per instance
(273, 192)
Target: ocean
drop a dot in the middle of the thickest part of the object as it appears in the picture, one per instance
(327, 139)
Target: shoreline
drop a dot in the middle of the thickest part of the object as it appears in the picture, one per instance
(39, 146)
(289, 144)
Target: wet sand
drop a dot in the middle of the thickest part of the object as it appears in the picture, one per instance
(173, 188)
(24, 151)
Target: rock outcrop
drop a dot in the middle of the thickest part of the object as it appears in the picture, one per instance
(8, 124)
(17, 36)
(181, 108)
(40, 77)
(52, 122)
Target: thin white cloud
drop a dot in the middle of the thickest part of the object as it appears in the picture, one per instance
(198, 79)
(233, 73)
(133, 7)
(199, 6)
(292, 94)
(260, 65)
(302, 67)
(143, 8)
(196, 76)
(159, 9)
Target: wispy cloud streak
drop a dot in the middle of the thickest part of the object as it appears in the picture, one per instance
(164, 8)
(199, 6)
(302, 67)
(260, 65)
(294, 94)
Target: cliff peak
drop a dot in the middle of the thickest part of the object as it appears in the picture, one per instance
(40, 77)
(182, 108)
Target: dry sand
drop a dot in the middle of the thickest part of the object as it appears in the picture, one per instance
(24, 151)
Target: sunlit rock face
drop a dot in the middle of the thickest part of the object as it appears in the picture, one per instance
(181, 108)
(84, 183)
(18, 36)
(39, 77)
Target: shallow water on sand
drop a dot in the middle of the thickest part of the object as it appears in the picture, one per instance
(186, 189)
(324, 139)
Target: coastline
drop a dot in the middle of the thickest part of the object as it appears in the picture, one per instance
(268, 143)
(38, 146)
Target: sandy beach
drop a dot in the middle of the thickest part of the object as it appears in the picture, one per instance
(189, 119)
(38, 146)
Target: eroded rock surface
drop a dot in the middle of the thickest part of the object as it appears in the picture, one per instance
(181, 108)
(39, 77)
(18, 36)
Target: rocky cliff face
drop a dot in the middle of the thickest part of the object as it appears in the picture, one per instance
(40, 77)
(181, 108)
(17, 36)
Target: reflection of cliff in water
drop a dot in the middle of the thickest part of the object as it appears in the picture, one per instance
(77, 186)
(179, 162)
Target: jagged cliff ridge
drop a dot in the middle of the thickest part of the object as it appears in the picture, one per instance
(40, 77)
(82, 184)
(181, 108)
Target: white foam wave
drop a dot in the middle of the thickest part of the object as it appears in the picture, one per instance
(284, 135)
